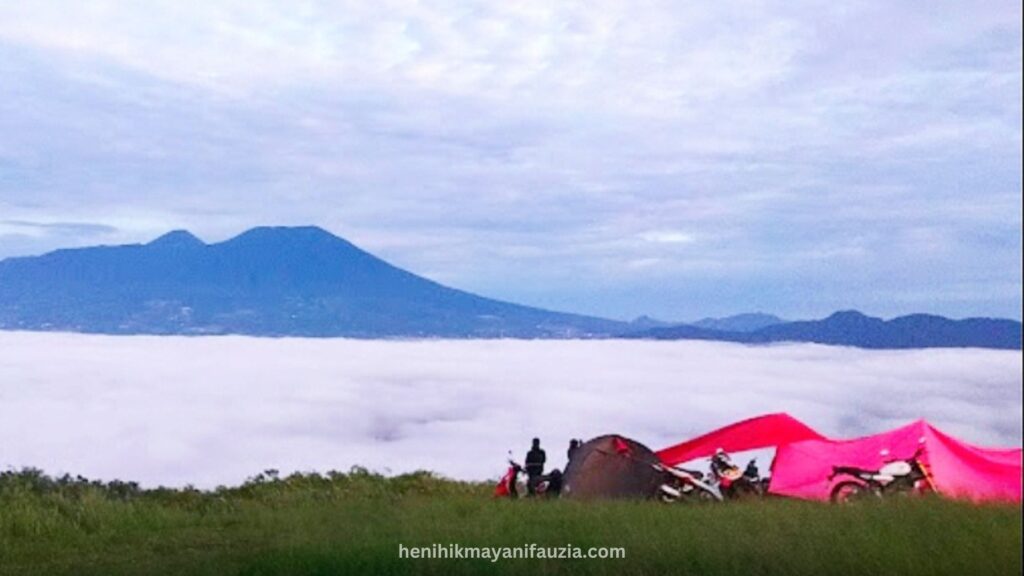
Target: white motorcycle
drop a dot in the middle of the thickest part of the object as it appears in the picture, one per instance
(682, 485)
(906, 476)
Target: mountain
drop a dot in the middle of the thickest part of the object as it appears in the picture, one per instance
(852, 328)
(914, 331)
(307, 282)
(740, 322)
(267, 282)
(646, 322)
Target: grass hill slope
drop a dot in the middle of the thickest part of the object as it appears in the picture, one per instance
(353, 523)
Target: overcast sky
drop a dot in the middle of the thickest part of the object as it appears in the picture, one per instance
(614, 158)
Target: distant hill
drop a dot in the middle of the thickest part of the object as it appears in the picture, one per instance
(852, 328)
(266, 282)
(740, 322)
(646, 322)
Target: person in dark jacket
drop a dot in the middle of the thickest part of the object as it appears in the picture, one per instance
(554, 489)
(574, 446)
(535, 460)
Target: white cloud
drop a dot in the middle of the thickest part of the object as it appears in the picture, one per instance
(667, 237)
(215, 410)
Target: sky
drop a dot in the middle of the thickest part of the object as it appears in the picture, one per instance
(207, 411)
(674, 159)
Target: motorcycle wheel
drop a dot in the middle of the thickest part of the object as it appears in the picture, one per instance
(746, 489)
(704, 496)
(700, 496)
(850, 491)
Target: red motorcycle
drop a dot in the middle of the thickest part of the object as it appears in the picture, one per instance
(510, 486)
(733, 482)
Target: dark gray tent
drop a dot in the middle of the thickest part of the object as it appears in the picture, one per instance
(612, 467)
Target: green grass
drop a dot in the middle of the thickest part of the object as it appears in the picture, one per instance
(353, 523)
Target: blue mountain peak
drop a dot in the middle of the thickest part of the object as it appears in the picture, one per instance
(287, 237)
(178, 239)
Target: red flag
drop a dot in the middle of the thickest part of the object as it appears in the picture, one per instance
(621, 447)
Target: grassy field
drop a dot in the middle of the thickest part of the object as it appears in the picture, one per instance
(353, 523)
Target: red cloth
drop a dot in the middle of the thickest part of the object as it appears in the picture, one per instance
(956, 469)
(765, 431)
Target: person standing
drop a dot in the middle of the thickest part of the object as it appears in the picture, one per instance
(535, 460)
(574, 445)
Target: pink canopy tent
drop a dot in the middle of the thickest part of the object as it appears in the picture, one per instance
(956, 469)
(804, 458)
(765, 431)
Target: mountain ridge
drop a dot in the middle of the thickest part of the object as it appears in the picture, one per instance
(745, 322)
(854, 328)
(306, 281)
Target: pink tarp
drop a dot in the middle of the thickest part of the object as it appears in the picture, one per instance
(804, 458)
(765, 431)
(957, 469)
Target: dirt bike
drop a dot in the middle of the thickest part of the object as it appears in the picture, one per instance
(733, 482)
(682, 485)
(907, 476)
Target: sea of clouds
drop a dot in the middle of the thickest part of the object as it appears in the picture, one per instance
(215, 410)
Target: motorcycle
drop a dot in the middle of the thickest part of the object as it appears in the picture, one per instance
(682, 485)
(907, 476)
(510, 485)
(733, 482)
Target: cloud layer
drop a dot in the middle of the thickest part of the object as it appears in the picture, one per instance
(216, 410)
(680, 159)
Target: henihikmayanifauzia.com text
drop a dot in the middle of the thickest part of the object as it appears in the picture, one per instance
(495, 553)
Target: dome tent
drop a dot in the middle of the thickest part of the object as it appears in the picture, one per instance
(612, 466)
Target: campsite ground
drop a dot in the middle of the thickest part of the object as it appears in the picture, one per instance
(354, 523)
